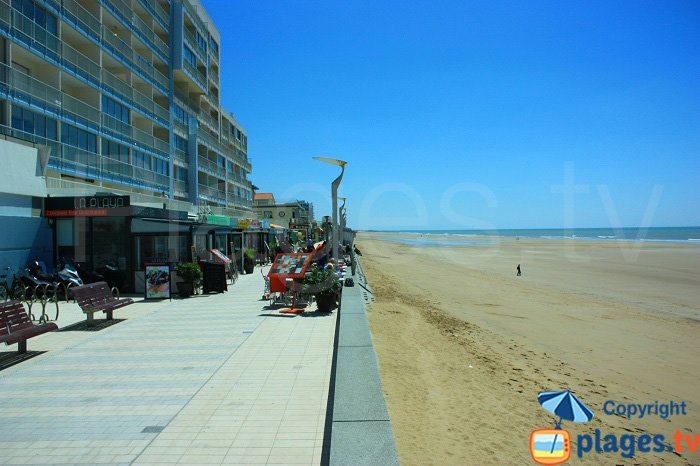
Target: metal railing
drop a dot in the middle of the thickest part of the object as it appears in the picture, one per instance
(180, 156)
(194, 74)
(159, 13)
(82, 18)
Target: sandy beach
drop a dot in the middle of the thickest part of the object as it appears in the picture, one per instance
(465, 345)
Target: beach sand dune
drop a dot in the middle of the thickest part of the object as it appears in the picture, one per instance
(464, 345)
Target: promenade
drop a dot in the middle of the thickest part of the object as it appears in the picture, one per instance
(216, 379)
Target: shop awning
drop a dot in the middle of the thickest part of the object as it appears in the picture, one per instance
(272, 225)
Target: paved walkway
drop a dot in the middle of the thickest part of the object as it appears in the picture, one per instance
(213, 379)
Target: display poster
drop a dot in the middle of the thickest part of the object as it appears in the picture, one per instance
(221, 256)
(157, 281)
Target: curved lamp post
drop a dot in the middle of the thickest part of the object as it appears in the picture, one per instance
(334, 193)
(341, 214)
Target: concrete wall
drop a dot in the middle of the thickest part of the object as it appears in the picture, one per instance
(24, 239)
(24, 235)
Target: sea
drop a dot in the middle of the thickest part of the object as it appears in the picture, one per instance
(662, 234)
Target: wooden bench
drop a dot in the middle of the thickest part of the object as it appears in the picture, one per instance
(96, 297)
(17, 327)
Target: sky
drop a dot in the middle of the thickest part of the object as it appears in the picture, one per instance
(471, 115)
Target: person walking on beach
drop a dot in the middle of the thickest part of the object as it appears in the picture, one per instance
(518, 269)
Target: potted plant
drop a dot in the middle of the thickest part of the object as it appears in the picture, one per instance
(249, 260)
(324, 285)
(191, 276)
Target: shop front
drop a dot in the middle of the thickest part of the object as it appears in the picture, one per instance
(107, 237)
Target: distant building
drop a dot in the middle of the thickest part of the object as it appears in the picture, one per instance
(296, 215)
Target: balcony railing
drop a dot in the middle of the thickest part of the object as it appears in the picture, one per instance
(139, 26)
(180, 156)
(180, 186)
(195, 74)
(158, 12)
(33, 35)
(124, 52)
(82, 18)
(211, 194)
(36, 93)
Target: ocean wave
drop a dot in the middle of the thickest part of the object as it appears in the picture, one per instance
(607, 237)
(693, 239)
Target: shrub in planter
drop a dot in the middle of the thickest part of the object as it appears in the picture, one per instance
(324, 285)
(191, 276)
(249, 260)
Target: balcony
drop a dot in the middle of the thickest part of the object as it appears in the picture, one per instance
(120, 10)
(211, 167)
(81, 65)
(129, 58)
(34, 93)
(194, 76)
(191, 42)
(211, 194)
(158, 12)
(80, 18)
(180, 156)
(26, 31)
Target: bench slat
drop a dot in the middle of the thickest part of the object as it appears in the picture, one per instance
(96, 297)
(17, 327)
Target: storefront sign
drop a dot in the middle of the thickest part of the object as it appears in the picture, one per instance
(85, 206)
(218, 220)
(255, 223)
(243, 223)
(87, 202)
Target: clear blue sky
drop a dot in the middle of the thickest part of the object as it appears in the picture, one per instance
(463, 114)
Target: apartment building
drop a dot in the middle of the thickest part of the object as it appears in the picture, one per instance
(126, 94)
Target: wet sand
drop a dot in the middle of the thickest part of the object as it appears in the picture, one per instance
(465, 345)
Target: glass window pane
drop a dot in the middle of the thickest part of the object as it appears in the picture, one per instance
(73, 136)
(17, 117)
(82, 140)
(40, 126)
(92, 143)
(51, 129)
(51, 24)
(28, 121)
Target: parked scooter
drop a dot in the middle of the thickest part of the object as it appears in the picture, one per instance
(37, 284)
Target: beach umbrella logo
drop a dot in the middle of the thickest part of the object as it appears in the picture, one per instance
(553, 446)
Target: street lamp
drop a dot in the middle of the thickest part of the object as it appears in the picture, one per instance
(341, 213)
(334, 193)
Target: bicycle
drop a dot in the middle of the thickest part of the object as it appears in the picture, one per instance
(11, 286)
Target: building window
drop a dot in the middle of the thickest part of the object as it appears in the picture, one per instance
(44, 35)
(181, 114)
(189, 56)
(161, 166)
(141, 160)
(201, 42)
(78, 138)
(33, 123)
(180, 143)
(115, 151)
(115, 109)
(267, 214)
(180, 173)
(214, 46)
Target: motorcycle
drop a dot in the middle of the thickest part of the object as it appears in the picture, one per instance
(59, 282)
(36, 283)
